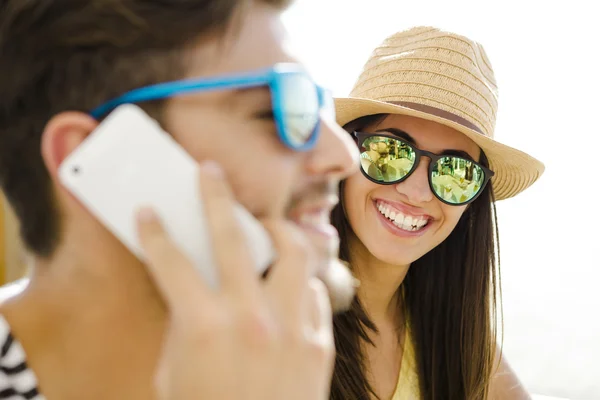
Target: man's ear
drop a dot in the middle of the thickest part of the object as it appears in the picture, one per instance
(63, 133)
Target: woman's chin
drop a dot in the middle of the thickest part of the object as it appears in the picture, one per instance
(396, 255)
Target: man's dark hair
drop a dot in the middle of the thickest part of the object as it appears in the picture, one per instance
(59, 55)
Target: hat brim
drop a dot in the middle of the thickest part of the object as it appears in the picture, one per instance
(514, 170)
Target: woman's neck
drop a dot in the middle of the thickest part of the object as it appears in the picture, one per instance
(379, 283)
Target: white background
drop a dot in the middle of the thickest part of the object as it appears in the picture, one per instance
(545, 55)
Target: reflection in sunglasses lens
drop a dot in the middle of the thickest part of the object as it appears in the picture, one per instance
(300, 103)
(385, 159)
(456, 180)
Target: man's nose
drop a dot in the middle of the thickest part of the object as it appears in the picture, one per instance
(335, 153)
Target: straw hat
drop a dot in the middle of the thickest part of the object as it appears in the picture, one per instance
(446, 78)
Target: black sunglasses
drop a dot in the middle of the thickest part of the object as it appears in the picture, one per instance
(387, 160)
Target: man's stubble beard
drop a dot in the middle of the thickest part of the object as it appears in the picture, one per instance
(332, 271)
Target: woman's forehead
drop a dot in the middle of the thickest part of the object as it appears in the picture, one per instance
(430, 135)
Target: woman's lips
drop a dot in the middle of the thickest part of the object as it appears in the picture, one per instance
(398, 231)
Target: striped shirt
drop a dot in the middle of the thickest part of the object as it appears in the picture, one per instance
(17, 381)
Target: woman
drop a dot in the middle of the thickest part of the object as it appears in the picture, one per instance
(423, 241)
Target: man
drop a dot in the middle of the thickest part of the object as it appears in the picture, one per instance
(94, 322)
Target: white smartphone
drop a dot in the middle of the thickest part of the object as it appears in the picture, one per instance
(128, 162)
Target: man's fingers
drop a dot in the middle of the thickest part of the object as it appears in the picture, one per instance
(319, 306)
(173, 274)
(288, 279)
(320, 330)
(229, 243)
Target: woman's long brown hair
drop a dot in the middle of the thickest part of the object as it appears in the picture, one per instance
(449, 303)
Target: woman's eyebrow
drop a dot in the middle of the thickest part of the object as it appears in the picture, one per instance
(458, 153)
(402, 134)
(398, 132)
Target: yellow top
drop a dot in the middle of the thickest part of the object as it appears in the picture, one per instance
(407, 387)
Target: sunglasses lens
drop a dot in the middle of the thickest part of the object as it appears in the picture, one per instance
(457, 180)
(385, 159)
(298, 108)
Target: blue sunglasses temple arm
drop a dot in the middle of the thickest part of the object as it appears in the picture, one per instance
(170, 89)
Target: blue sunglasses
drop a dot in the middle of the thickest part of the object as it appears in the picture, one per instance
(296, 100)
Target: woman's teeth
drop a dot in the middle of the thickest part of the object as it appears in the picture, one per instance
(405, 222)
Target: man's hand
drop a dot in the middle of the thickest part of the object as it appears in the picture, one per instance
(250, 339)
